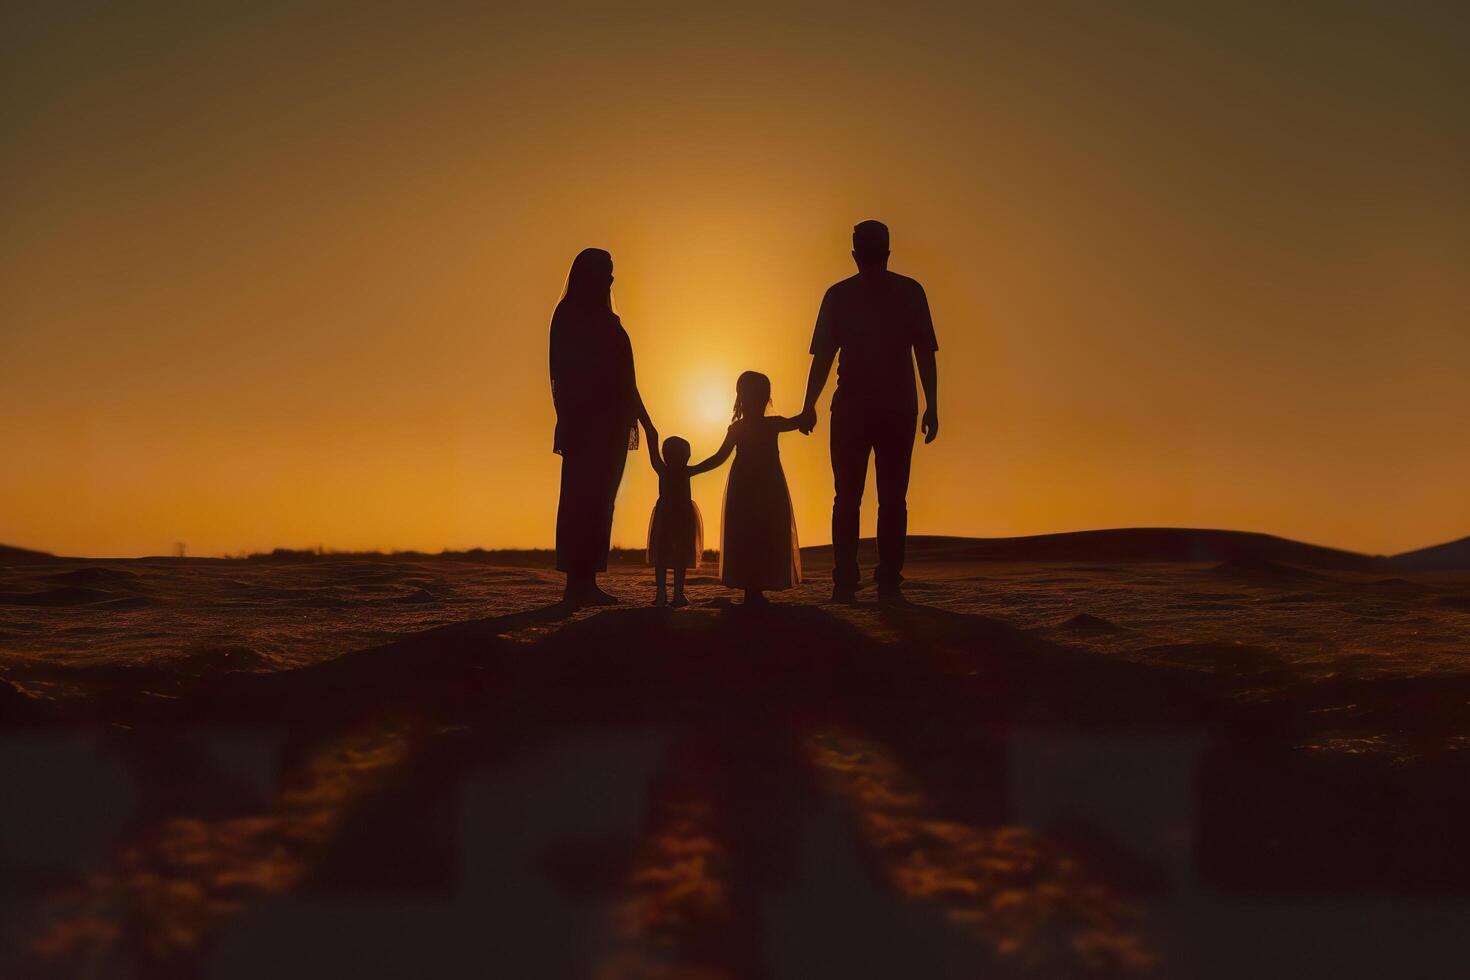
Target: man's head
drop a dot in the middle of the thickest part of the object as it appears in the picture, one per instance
(870, 246)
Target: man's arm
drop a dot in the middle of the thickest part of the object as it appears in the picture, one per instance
(925, 344)
(929, 378)
(824, 351)
(816, 380)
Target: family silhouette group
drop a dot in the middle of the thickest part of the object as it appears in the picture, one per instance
(875, 325)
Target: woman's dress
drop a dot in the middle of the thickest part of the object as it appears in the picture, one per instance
(593, 387)
(758, 546)
(675, 528)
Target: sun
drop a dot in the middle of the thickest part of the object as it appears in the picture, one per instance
(712, 402)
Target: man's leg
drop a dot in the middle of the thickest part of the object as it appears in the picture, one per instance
(850, 448)
(893, 451)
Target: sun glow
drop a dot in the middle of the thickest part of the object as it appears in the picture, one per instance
(712, 402)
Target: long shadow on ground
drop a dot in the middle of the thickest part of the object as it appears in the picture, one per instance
(716, 793)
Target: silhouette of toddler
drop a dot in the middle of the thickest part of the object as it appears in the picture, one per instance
(675, 529)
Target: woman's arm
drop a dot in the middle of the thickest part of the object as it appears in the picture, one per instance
(718, 459)
(643, 414)
(555, 355)
(640, 413)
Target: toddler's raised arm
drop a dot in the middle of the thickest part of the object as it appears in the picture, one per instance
(654, 458)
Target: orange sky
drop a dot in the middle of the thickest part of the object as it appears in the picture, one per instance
(283, 278)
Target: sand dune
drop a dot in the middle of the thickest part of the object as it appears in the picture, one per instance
(22, 556)
(1454, 555)
(1135, 545)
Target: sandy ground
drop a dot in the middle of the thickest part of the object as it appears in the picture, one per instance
(269, 615)
(399, 766)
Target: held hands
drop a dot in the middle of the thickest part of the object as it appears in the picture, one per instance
(930, 425)
(806, 421)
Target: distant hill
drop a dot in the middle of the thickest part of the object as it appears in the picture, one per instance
(23, 556)
(1135, 544)
(1440, 558)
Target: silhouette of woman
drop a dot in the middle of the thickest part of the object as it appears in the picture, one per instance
(598, 409)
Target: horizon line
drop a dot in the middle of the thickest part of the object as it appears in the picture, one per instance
(328, 551)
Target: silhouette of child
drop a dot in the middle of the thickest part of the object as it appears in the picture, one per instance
(675, 529)
(758, 549)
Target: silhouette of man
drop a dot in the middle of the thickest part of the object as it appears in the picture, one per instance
(875, 319)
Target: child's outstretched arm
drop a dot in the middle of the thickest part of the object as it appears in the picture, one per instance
(784, 424)
(651, 437)
(718, 459)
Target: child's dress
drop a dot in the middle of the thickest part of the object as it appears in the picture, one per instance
(675, 529)
(758, 548)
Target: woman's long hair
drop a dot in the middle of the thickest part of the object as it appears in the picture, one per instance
(585, 301)
(589, 282)
(752, 395)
